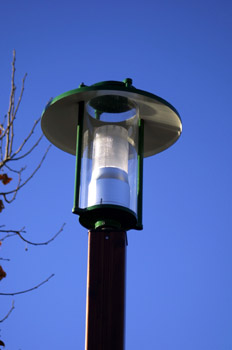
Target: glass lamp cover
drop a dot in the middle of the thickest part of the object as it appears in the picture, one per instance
(109, 154)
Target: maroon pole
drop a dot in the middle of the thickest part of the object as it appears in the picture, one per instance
(105, 303)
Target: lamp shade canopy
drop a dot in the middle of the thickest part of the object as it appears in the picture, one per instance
(110, 126)
(162, 123)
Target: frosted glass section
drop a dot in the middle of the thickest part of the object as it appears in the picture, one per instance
(110, 147)
(109, 182)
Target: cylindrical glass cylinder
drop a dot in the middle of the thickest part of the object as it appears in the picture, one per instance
(109, 153)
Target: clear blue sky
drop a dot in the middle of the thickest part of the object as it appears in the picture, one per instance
(179, 280)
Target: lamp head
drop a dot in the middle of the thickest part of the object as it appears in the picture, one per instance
(110, 126)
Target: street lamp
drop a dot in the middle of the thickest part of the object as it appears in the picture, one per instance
(110, 127)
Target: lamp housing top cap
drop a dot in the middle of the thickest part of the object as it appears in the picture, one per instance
(162, 123)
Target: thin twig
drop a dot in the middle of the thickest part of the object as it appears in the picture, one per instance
(9, 312)
(30, 150)
(26, 139)
(21, 95)
(15, 171)
(15, 191)
(43, 243)
(2, 136)
(8, 236)
(11, 233)
(28, 290)
(3, 125)
(12, 115)
(4, 259)
(11, 107)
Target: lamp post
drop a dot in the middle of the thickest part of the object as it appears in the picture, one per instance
(110, 127)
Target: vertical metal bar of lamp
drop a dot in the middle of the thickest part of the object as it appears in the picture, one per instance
(105, 302)
(140, 174)
(81, 108)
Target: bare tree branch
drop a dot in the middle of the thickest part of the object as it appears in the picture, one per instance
(11, 108)
(11, 154)
(15, 191)
(43, 243)
(4, 259)
(15, 171)
(11, 233)
(8, 154)
(21, 95)
(9, 312)
(11, 114)
(29, 290)
(26, 139)
(28, 152)
(8, 236)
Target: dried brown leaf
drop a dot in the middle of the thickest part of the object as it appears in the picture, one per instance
(2, 273)
(5, 179)
(1, 205)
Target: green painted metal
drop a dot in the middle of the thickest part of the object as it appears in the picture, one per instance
(113, 215)
(125, 86)
(78, 156)
(112, 224)
(128, 82)
(162, 128)
(140, 175)
(97, 114)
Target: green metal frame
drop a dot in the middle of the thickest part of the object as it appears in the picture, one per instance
(160, 117)
(107, 215)
(81, 111)
(140, 175)
(112, 85)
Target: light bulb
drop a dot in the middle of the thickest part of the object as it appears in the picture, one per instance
(109, 181)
